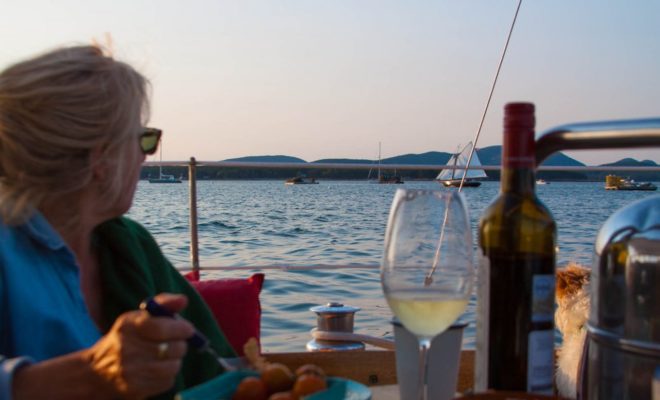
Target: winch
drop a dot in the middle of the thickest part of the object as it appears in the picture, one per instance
(623, 342)
(334, 318)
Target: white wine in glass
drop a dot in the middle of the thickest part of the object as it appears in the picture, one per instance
(427, 270)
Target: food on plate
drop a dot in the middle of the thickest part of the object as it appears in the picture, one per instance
(282, 396)
(251, 388)
(252, 354)
(308, 384)
(277, 377)
(310, 369)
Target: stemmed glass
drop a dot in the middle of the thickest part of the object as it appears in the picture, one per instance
(427, 270)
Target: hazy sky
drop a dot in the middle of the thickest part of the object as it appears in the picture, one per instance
(321, 79)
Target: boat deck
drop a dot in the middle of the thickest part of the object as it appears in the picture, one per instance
(370, 367)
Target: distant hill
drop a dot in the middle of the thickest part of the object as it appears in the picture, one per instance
(490, 155)
(629, 162)
(428, 158)
(343, 161)
(288, 159)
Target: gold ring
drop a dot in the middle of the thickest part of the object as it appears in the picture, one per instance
(162, 350)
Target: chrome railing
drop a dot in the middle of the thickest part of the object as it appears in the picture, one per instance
(621, 134)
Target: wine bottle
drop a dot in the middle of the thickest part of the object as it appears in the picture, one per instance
(516, 283)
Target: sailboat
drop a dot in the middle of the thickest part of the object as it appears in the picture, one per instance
(452, 177)
(384, 178)
(163, 178)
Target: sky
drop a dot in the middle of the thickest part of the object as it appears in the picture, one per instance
(331, 79)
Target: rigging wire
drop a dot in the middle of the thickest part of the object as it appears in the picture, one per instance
(428, 279)
(490, 95)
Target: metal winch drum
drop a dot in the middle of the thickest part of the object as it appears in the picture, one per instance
(334, 317)
(623, 341)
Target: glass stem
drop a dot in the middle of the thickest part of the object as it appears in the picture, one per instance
(422, 388)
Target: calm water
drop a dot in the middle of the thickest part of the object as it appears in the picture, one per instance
(258, 223)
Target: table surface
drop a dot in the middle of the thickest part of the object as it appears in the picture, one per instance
(384, 392)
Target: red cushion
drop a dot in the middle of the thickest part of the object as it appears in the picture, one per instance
(235, 305)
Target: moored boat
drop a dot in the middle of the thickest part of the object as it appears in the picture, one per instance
(613, 182)
(383, 178)
(164, 178)
(453, 177)
(390, 179)
(457, 183)
(301, 180)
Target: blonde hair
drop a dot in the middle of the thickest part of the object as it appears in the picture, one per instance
(56, 108)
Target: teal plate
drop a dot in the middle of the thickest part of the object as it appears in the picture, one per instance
(222, 388)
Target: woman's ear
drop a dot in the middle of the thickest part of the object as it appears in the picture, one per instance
(99, 164)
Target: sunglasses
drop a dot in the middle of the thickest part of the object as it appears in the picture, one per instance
(149, 140)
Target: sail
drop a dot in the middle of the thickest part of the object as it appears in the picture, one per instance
(460, 159)
(448, 174)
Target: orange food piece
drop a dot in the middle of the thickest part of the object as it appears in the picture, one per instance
(277, 377)
(310, 369)
(251, 388)
(307, 384)
(282, 396)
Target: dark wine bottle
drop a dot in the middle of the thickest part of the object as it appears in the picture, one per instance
(516, 284)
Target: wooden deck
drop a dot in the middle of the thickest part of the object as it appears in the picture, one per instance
(377, 369)
(368, 367)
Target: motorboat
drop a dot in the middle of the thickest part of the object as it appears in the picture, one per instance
(301, 180)
(613, 182)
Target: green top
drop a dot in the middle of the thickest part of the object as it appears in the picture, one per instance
(134, 268)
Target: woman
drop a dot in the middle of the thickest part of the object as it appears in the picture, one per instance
(72, 270)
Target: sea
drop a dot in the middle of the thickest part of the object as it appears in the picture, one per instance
(252, 224)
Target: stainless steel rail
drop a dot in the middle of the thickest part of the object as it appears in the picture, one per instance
(620, 134)
(409, 167)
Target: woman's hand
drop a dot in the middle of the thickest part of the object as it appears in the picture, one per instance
(141, 355)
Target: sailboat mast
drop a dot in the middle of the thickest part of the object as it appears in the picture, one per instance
(160, 167)
(378, 161)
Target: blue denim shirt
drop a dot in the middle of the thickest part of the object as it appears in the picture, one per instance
(42, 311)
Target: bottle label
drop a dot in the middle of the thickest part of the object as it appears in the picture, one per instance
(483, 312)
(543, 298)
(540, 362)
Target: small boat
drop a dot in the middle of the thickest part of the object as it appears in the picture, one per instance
(389, 179)
(301, 180)
(453, 177)
(163, 178)
(383, 178)
(542, 182)
(613, 182)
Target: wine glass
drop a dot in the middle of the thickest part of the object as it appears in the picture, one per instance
(427, 270)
